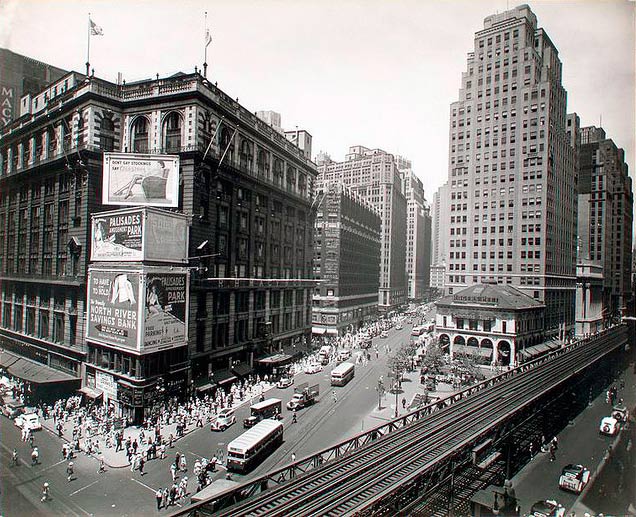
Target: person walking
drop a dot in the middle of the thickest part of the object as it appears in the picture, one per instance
(552, 452)
(102, 466)
(14, 458)
(45, 493)
(159, 498)
(293, 457)
(142, 462)
(173, 472)
(69, 472)
(35, 456)
(183, 466)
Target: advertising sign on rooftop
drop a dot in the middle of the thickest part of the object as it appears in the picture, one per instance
(141, 179)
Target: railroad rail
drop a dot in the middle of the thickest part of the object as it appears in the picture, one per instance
(365, 480)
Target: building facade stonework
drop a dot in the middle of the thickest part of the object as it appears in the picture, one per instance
(244, 188)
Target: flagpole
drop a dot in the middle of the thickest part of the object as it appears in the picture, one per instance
(205, 48)
(88, 47)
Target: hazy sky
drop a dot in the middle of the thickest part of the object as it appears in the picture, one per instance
(379, 73)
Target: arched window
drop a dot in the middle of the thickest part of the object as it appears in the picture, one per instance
(278, 171)
(139, 135)
(172, 133)
(262, 163)
(227, 143)
(246, 157)
(291, 178)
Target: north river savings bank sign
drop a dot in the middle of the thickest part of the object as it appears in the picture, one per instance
(138, 308)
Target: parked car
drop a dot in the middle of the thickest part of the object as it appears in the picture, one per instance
(284, 382)
(30, 420)
(549, 508)
(224, 419)
(399, 326)
(620, 413)
(12, 410)
(574, 478)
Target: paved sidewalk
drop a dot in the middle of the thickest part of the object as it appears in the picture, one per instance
(118, 459)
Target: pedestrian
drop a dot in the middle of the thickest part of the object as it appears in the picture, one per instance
(141, 464)
(294, 417)
(173, 471)
(177, 458)
(159, 497)
(183, 465)
(173, 493)
(162, 451)
(333, 393)
(164, 499)
(69, 472)
(171, 440)
(531, 450)
(45, 492)
(34, 456)
(555, 443)
(552, 452)
(293, 457)
(133, 463)
(102, 466)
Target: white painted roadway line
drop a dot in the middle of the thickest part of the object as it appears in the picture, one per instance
(150, 488)
(83, 488)
(51, 466)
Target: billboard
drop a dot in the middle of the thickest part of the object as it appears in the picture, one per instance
(140, 179)
(165, 315)
(142, 310)
(114, 307)
(139, 234)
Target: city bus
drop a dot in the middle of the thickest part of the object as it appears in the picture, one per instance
(270, 408)
(246, 451)
(342, 374)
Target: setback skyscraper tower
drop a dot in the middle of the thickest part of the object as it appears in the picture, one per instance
(512, 171)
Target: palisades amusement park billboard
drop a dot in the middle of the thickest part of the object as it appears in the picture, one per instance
(138, 234)
(141, 310)
(140, 179)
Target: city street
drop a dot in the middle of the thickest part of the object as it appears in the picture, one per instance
(581, 443)
(122, 492)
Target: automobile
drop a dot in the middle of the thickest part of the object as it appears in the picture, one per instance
(313, 368)
(30, 420)
(384, 334)
(224, 419)
(574, 478)
(399, 327)
(343, 355)
(549, 508)
(609, 426)
(620, 413)
(12, 410)
(284, 382)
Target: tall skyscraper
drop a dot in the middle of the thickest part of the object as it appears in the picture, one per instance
(373, 175)
(512, 171)
(606, 205)
(418, 232)
(440, 229)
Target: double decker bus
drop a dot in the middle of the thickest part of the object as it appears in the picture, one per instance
(249, 449)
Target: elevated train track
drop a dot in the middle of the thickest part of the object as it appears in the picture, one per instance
(411, 459)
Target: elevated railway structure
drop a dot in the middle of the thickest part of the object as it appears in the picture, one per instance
(390, 468)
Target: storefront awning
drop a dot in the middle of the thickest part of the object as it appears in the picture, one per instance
(242, 369)
(333, 332)
(533, 351)
(221, 377)
(7, 358)
(318, 330)
(205, 387)
(38, 373)
(274, 360)
(90, 392)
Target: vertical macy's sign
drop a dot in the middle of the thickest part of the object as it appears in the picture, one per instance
(6, 105)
